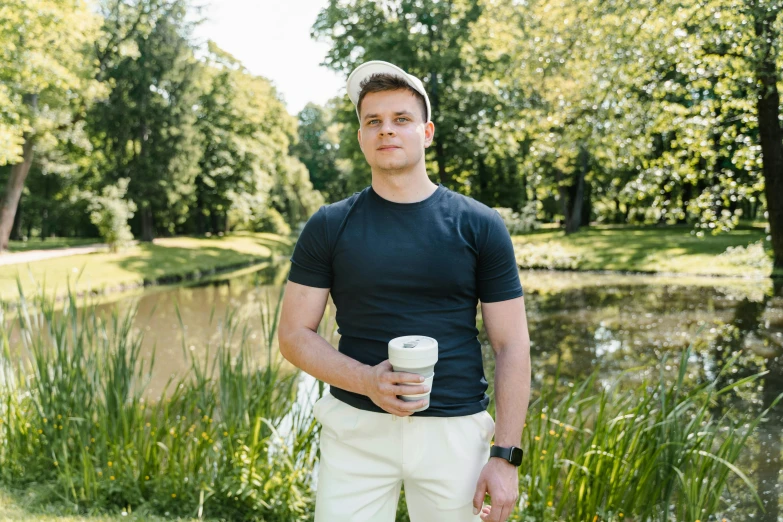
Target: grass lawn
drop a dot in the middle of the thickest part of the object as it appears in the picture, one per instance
(17, 508)
(144, 263)
(55, 242)
(671, 249)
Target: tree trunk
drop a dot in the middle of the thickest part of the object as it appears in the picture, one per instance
(768, 109)
(147, 231)
(587, 205)
(769, 461)
(16, 230)
(440, 153)
(13, 191)
(576, 195)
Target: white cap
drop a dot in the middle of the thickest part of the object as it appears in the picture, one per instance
(367, 69)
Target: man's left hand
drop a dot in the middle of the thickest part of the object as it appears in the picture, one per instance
(500, 480)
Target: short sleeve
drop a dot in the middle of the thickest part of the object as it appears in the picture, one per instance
(311, 263)
(498, 274)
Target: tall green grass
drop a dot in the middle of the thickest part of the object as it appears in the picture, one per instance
(233, 439)
(651, 452)
(227, 439)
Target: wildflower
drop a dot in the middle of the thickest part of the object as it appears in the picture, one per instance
(111, 478)
(148, 424)
(543, 451)
(59, 416)
(538, 438)
(173, 495)
(225, 434)
(551, 432)
(596, 518)
(46, 420)
(40, 431)
(100, 473)
(542, 457)
(110, 464)
(55, 464)
(543, 415)
(146, 477)
(92, 440)
(549, 503)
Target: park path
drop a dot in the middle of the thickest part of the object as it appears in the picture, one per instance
(39, 255)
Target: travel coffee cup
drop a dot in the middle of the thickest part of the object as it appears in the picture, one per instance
(415, 354)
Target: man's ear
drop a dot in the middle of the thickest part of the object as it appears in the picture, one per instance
(359, 137)
(429, 133)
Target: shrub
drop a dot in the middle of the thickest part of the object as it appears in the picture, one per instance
(754, 255)
(272, 221)
(545, 255)
(520, 222)
(110, 212)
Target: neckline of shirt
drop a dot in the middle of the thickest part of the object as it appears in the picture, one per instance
(408, 206)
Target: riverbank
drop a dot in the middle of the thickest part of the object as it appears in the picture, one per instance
(744, 252)
(166, 260)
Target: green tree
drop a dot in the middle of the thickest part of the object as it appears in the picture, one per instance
(318, 147)
(145, 129)
(46, 81)
(246, 176)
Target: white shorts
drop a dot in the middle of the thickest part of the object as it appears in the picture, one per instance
(367, 456)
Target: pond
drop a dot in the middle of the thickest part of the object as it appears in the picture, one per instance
(624, 325)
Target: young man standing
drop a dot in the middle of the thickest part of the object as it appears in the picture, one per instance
(408, 257)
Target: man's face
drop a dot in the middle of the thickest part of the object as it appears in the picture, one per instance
(393, 134)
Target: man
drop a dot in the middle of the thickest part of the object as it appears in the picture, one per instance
(408, 257)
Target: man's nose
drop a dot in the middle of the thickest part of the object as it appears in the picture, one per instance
(387, 129)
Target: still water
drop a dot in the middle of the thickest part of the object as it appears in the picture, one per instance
(622, 325)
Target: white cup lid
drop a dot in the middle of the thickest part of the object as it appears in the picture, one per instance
(413, 348)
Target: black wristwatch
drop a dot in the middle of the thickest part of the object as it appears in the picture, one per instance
(512, 454)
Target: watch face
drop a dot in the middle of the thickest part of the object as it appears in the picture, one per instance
(516, 456)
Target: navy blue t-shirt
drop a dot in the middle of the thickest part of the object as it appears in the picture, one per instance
(397, 269)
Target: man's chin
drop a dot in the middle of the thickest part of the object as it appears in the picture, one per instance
(392, 167)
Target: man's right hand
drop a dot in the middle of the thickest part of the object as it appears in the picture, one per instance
(382, 385)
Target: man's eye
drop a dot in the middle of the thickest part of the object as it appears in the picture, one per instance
(402, 119)
(372, 122)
